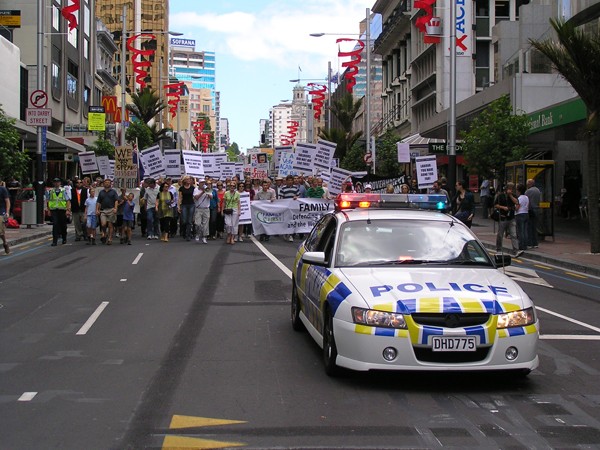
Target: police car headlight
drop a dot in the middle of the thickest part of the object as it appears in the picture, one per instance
(374, 318)
(519, 318)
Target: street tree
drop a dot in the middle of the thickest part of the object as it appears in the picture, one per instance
(138, 132)
(145, 106)
(345, 110)
(575, 55)
(496, 136)
(233, 152)
(102, 147)
(13, 161)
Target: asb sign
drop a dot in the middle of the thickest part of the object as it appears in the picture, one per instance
(183, 42)
(464, 28)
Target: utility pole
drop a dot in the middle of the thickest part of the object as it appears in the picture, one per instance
(40, 190)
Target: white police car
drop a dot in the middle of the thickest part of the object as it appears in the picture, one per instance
(408, 289)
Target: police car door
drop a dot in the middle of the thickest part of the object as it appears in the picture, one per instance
(320, 240)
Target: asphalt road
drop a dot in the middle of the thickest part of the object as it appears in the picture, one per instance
(184, 345)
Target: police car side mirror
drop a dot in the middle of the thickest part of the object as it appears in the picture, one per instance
(316, 258)
(502, 260)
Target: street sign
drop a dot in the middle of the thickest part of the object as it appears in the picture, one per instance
(10, 18)
(368, 158)
(40, 117)
(38, 99)
(44, 145)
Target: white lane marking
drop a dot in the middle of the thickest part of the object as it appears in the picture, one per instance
(583, 324)
(123, 279)
(272, 257)
(86, 326)
(525, 275)
(137, 258)
(570, 337)
(27, 396)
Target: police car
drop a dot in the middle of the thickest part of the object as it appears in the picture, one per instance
(392, 282)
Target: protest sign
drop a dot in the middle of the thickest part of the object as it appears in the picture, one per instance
(324, 155)
(278, 151)
(245, 215)
(426, 171)
(286, 164)
(173, 163)
(239, 170)
(192, 162)
(227, 170)
(403, 152)
(126, 173)
(211, 167)
(87, 162)
(338, 176)
(103, 165)
(153, 162)
(305, 155)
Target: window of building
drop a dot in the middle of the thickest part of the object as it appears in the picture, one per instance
(56, 72)
(86, 20)
(56, 17)
(86, 48)
(72, 81)
(72, 37)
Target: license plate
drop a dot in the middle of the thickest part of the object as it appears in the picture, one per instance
(453, 344)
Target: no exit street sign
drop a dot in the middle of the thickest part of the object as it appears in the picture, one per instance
(39, 117)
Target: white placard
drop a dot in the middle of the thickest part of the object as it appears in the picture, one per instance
(245, 215)
(403, 152)
(278, 151)
(87, 162)
(426, 171)
(153, 162)
(286, 164)
(192, 162)
(173, 163)
(305, 155)
(324, 155)
(338, 176)
(227, 170)
(211, 166)
(103, 166)
(239, 170)
(111, 169)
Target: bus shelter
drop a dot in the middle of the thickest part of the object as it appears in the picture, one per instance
(542, 173)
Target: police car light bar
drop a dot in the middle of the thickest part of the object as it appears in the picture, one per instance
(437, 202)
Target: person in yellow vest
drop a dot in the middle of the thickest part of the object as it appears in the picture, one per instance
(59, 205)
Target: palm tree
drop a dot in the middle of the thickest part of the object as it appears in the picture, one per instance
(146, 106)
(576, 56)
(345, 110)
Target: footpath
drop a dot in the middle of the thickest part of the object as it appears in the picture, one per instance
(568, 249)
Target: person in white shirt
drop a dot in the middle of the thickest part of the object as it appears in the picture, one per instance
(522, 217)
(203, 194)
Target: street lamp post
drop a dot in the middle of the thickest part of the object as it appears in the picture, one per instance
(452, 111)
(368, 79)
(39, 164)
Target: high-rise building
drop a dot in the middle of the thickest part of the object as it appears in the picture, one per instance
(142, 17)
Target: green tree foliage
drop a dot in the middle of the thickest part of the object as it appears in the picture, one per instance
(102, 147)
(353, 159)
(145, 107)
(575, 54)
(13, 162)
(233, 151)
(345, 110)
(386, 154)
(140, 132)
(495, 137)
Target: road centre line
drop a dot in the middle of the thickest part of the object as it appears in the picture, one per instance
(86, 326)
(137, 258)
(27, 396)
(575, 275)
(560, 316)
(272, 257)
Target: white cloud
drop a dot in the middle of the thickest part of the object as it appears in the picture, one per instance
(277, 34)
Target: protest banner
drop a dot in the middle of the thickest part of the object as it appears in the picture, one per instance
(153, 162)
(305, 155)
(286, 164)
(192, 162)
(426, 171)
(103, 165)
(227, 170)
(87, 162)
(288, 216)
(126, 173)
(173, 163)
(324, 155)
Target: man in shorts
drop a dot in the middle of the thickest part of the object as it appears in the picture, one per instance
(106, 208)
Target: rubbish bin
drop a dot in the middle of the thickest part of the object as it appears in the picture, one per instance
(28, 213)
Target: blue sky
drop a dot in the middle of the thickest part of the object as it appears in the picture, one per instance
(259, 46)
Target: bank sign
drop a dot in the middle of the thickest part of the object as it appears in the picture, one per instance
(183, 42)
(464, 27)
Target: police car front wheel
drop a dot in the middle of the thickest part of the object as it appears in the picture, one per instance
(329, 348)
(297, 324)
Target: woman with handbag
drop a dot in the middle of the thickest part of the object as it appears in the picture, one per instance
(231, 211)
(464, 204)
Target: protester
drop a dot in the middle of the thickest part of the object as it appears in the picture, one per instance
(534, 195)
(128, 218)
(150, 195)
(484, 194)
(13, 187)
(78, 197)
(91, 216)
(437, 189)
(143, 215)
(505, 202)
(315, 191)
(231, 210)
(59, 205)
(214, 208)
(368, 189)
(202, 199)
(106, 208)
(265, 194)
(174, 204)
(164, 211)
(220, 218)
(389, 189)
(522, 217)
(244, 231)
(404, 189)
(289, 191)
(119, 222)
(186, 206)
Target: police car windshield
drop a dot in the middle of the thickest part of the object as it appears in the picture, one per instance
(404, 242)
